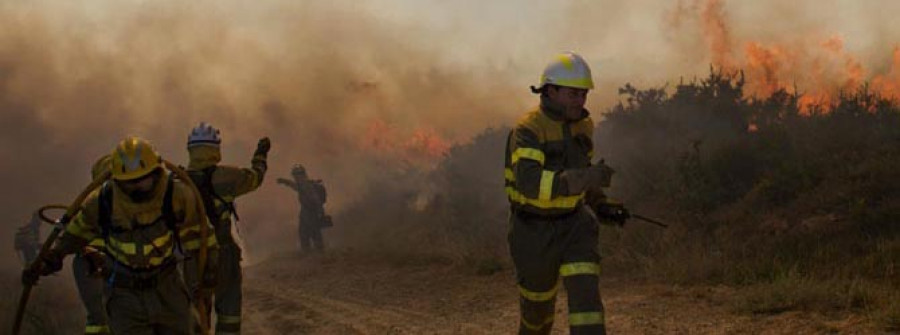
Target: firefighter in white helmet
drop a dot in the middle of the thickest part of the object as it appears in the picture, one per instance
(548, 176)
(219, 185)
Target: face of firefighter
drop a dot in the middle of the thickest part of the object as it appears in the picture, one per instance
(572, 99)
(140, 189)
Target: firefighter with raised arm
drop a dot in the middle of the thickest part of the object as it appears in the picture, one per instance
(312, 196)
(219, 186)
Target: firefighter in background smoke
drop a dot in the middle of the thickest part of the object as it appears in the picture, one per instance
(143, 215)
(89, 267)
(28, 239)
(219, 185)
(548, 174)
(312, 196)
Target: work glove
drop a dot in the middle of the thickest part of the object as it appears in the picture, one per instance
(46, 264)
(96, 262)
(580, 180)
(263, 147)
(613, 212)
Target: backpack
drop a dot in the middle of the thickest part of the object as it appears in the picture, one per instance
(203, 180)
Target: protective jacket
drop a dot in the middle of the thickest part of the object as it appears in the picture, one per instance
(220, 185)
(139, 236)
(538, 149)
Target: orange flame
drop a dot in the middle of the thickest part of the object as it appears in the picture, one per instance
(888, 84)
(764, 63)
(717, 34)
(422, 148)
(819, 68)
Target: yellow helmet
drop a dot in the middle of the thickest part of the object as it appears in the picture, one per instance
(568, 69)
(134, 158)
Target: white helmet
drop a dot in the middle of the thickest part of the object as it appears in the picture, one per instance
(204, 134)
(567, 69)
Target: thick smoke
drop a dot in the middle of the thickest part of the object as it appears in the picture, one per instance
(335, 87)
(353, 90)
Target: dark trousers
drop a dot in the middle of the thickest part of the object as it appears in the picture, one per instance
(90, 289)
(311, 235)
(163, 309)
(228, 293)
(545, 249)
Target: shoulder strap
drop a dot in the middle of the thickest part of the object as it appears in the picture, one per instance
(203, 183)
(229, 205)
(104, 217)
(168, 211)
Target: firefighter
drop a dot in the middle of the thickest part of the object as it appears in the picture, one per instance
(312, 196)
(145, 218)
(548, 172)
(219, 185)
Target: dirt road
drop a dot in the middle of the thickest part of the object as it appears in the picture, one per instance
(342, 294)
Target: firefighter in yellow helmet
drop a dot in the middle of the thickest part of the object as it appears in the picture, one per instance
(219, 185)
(145, 218)
(548, 173)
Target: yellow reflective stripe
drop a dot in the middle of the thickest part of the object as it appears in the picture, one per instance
(558, 202)
(228, 318)
(77, 228)
(528, 153)
(586, 318)
(508, 173)
(546, 190)
(95, 329)
(580, 268)
(97, 242)
(126, 247)
(536, 327)
(187, 230)
(161, 241)
(195, 244)
(539, 296)
(157, 260)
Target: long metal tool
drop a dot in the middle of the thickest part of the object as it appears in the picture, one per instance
(653, 221)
